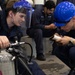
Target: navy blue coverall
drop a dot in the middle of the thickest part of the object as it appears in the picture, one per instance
(65, 53)
(15, 33)
(37, 30)
(10, 33)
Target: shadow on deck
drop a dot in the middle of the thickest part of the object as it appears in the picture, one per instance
(53, 66)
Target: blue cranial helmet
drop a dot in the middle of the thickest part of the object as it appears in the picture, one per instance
(64, 11)
(23, 3)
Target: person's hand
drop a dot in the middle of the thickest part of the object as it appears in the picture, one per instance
(64, 40)
(57, 34)
(51, 26)
(4, 42)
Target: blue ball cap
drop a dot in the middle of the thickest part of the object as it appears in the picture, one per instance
(23, 4)
(63, 13)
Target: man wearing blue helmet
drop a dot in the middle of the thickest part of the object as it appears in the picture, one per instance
(11, 19)
(4, 40)
(65, 20)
